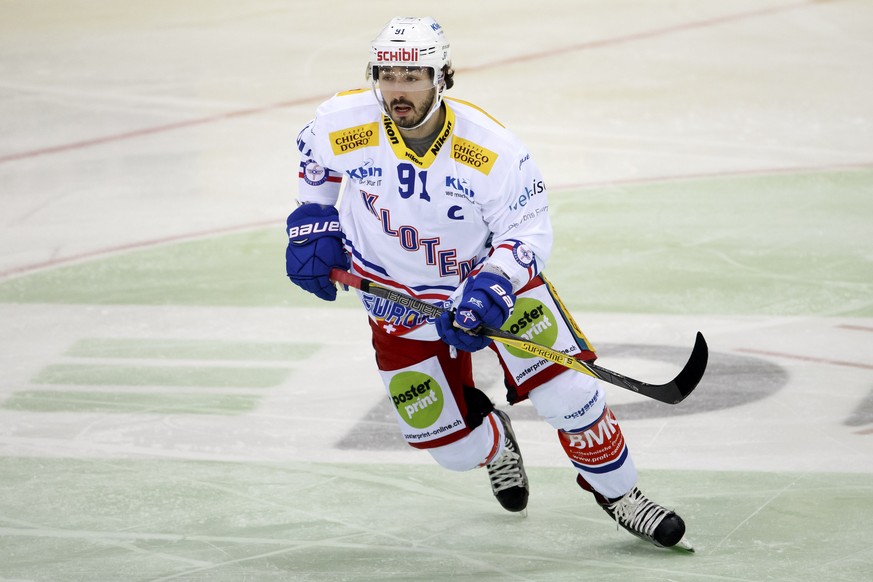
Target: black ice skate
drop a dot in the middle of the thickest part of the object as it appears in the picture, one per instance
(643, 518)
(508, 479)
(647, 520)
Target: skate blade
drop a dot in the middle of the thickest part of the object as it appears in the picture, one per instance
(683, 545)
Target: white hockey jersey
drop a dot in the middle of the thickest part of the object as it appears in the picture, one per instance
(422, 224)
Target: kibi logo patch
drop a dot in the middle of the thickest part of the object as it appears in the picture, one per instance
(533, 321)
(417, 397)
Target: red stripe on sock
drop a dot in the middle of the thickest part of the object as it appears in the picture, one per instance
(496, 445)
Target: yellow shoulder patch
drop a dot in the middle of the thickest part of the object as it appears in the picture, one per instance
(476, 107)
(352, 138)
(352, 92)
(473, 155)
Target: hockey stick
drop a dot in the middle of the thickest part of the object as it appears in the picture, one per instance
(672, 392)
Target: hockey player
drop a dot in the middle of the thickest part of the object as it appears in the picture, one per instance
(441, 202)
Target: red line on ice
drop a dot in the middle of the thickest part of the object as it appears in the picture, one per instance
(663, 31)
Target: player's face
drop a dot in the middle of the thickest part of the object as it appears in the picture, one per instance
(408, 93)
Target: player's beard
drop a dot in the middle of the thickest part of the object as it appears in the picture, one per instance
(412, 120)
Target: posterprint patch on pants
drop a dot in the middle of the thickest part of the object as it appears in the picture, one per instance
(423, 402)
(538, 318)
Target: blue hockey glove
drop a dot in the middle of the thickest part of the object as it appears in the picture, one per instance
(315, 246)
(487, 299)
(457, 337)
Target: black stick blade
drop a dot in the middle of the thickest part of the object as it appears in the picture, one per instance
(672, 392)
(692, 373)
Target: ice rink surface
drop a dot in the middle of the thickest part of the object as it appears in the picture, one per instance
(171, 408)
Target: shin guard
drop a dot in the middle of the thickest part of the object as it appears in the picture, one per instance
(599, 453)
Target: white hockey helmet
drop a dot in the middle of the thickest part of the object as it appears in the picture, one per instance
(411, 41)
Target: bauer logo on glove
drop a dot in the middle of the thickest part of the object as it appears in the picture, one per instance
(299, 234)
(315, 246)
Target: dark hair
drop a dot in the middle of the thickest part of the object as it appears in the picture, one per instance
(449, 76)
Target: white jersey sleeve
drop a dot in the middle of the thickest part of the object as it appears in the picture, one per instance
(515, 205)
(316, 183)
